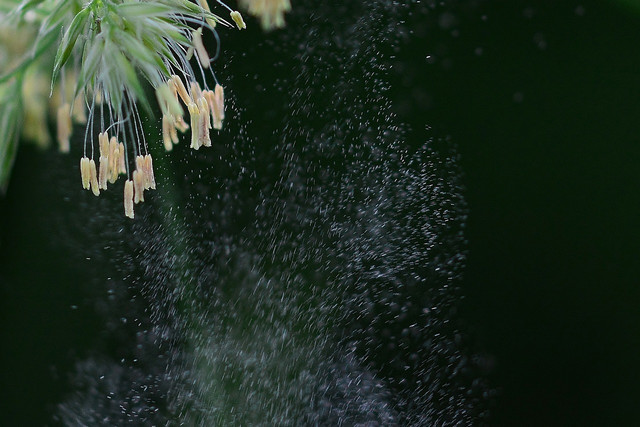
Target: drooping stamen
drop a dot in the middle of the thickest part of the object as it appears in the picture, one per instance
(93, 176)
(205, 6)
(85, 174)
(128, 198)
(216, 104)
(122, 163)
(194, 112)
(141, 171)
(138, 184)
(168, 100)
(203, 56)
(182, 91)
(103, 174)
(166, 132)
(196, 92)
(103, 144)
(219, 97)
(174, 132)
(148, 163)
(237, 18)
(114, 157)
(205, 123)
(181, 125)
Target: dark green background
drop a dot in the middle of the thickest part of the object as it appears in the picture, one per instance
(542, 101)
(552, 283)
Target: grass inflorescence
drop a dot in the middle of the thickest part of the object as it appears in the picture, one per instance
(94, 61)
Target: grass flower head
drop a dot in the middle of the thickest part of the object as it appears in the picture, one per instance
(108, 53)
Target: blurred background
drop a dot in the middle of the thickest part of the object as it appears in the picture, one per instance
(542, 99)
(537, 102)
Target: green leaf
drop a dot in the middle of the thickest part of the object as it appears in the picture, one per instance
(69, 40)
(54, 20)
(92, 56)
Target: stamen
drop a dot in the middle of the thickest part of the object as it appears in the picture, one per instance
(103, 140)
(219, 92)
(196, 92)
(216, 104)
(174, 132)
(103, 143)
(149, 170)
(94, 178)
(168, 100)
(180, 124)
(138, 184)
(128, 198)
(104, 172)
(142, 171)
(237, 18)
(205, 6)
(84, 172)
(205, 124)
(122, 164)
(182, 91)
(166, 132)
(195, 125)
(203, 56)
(114, 157)
(270, 12)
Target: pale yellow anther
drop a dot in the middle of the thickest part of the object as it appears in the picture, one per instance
(167, 99)
(194, 112)
(237, 18)
(93, 178)
(149, 170)
(64, 127)
(122, 164)
(196, 92)
(189, 53)
(166, 132)
(203, 56)
(103, 173)
(128, 198)
(205, 6)
(85, 174)
(213, 108)
(114, 157)
(103, 143)
(205, 139)
(270, 12)
(180, 124)
(138, 186)
(174, 132)
(216, 104)
(141, 168)
(219, 97)
(182, 91)
(172, 88)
